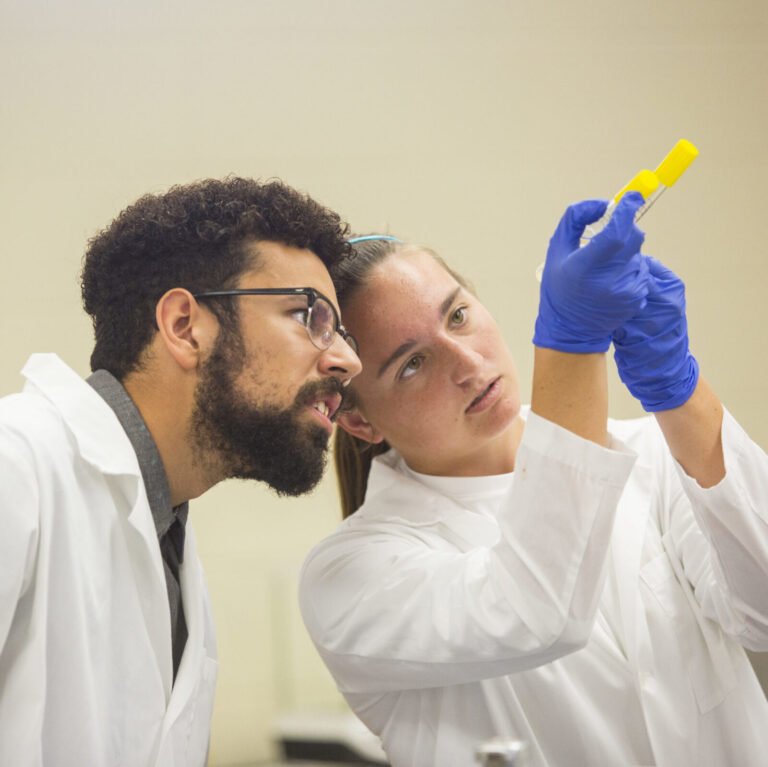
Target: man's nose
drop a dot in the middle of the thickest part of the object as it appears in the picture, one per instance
(340, 360)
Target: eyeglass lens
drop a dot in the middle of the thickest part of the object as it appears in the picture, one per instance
(322, 325)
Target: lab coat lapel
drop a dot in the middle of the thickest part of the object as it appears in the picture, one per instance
(102, 442)
(186, 728)
(188, 675)
(626, 554)
(149, 577)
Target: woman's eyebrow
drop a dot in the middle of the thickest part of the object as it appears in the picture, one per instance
(402, 349)
(446, 305)
(406, 346)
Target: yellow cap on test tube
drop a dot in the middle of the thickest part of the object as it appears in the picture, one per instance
(650, 184)
(646, 182)
(676, 162)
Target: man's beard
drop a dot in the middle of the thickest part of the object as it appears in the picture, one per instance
(252, 441)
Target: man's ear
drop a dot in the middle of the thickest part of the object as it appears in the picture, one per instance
(354, 423)
(183, 327)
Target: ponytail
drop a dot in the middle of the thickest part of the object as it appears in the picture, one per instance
(352, 459)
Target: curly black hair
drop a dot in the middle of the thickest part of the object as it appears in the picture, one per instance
(193, 237)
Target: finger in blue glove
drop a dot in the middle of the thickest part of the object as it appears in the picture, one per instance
(588, 293)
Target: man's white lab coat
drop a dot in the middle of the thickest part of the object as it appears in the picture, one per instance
(85, 634)
(438, 623)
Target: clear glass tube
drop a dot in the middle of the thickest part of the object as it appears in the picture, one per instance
(646, 182)
(651, 184)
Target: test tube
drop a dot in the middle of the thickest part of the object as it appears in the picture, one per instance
(646, 182)
(682, 154)
(651, 184)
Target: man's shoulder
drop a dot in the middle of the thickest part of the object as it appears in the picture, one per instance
(29, 421)
(27, 411)
(46, 376)
(34, 417)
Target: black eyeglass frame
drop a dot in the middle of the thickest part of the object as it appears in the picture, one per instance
(312, 296)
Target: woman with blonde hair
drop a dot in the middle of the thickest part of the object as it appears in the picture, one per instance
(541, 574)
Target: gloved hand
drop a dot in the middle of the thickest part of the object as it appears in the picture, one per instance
(651, 349)
(587, 293)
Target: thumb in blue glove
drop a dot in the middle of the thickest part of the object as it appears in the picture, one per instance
(651, 349)
(588, 293)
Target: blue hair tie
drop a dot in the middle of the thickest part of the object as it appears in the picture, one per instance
(366, 237)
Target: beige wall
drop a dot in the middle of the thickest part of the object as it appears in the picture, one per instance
(467, 126)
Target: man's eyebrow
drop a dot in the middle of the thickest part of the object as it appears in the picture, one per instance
(406, 346)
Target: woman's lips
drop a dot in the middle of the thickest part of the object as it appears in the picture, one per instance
(486, 398)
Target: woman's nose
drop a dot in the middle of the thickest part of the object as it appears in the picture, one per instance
(466, 363)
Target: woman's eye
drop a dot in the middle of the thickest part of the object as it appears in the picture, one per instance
(459, 315)
(411, 367)
(300, 315)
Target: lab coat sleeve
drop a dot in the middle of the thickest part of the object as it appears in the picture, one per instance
(723, 543)
(393, 607)
(18, 525)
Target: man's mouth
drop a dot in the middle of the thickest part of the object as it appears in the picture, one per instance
(329, 405)
(326, 401)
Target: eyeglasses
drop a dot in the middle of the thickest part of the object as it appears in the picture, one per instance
(322, 321)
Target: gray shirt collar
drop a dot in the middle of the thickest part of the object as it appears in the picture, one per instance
(150, 463)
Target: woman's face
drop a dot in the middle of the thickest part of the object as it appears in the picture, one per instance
(438, 382)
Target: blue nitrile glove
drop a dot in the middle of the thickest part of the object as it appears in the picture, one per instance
(651, 349)
(587, 293)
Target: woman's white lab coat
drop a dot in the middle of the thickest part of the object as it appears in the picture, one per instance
(85, 637)
(429, 614)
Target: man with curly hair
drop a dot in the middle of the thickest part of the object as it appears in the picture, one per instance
(219, 353)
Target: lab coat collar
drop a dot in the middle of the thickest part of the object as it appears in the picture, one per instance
(384, 473)
(92, 422)
(411, 503)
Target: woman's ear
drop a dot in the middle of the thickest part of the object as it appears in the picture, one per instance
(354, 423)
